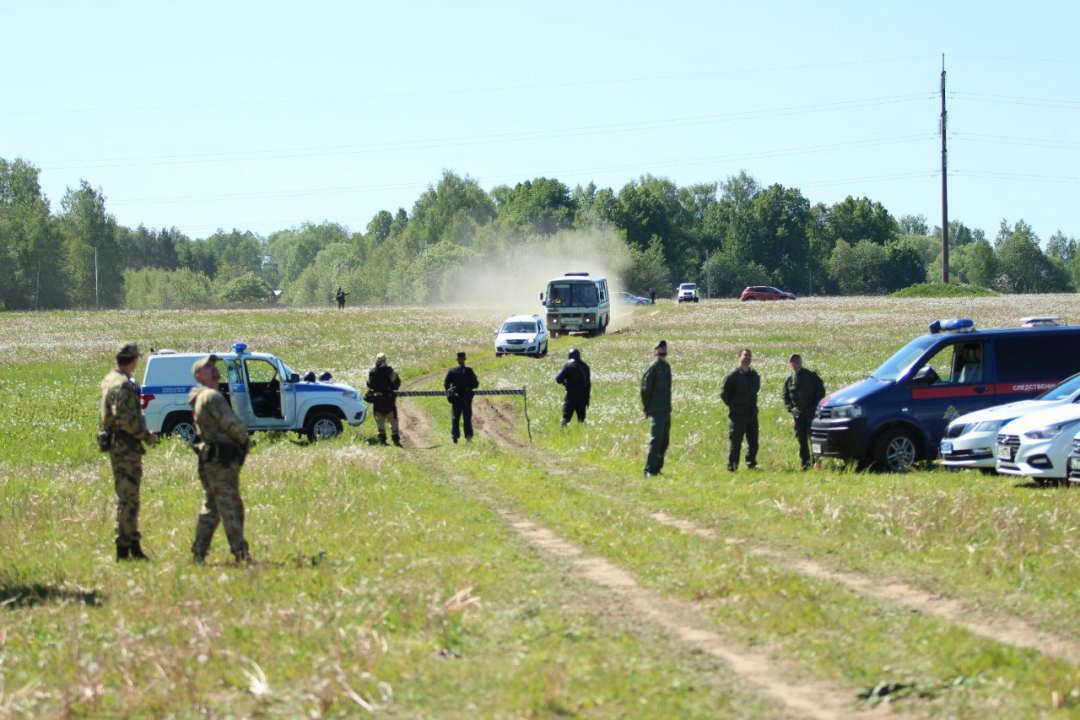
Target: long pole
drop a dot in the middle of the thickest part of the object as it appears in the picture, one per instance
(97, 293)
(944, 186)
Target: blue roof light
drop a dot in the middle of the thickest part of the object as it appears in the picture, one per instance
(240, 348)
(953, 325)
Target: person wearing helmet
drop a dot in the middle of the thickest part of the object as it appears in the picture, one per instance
(576, 377)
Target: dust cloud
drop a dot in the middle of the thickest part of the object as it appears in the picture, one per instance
(510, 282)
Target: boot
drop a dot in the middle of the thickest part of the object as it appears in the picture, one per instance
(397, 439)
(137, 553)
(198, 558)
(382, 438)
(242, 556)
(122, 553)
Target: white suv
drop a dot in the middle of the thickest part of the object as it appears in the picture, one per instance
(522, 335)
(265, 392)
(688, 292)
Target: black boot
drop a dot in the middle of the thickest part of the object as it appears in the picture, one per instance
(123, 553)
(382, 438)
(397, 439)
(137, 553)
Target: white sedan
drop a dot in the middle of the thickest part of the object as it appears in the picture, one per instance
(1038, 445)
(970, 439)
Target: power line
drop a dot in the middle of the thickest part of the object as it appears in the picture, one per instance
(1017, 100)
(473, 140)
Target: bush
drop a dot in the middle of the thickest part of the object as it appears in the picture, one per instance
(941, 290)
(245, 289)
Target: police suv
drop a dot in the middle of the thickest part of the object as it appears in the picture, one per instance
(265, 392)
(897, 416)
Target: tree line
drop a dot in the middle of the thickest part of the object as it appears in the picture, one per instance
(724, 236)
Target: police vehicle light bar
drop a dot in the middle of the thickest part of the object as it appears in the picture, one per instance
(240, 348)
(953, 325)
(1036, 320)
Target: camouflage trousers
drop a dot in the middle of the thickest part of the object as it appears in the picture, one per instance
(222, 506)
(127, 478)
(382, 418)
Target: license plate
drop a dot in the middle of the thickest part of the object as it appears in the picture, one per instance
(815, 448)
(1004, 452)
(946, 448)
(1074, 463)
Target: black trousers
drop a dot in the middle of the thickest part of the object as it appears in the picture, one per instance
(802, 432)
(572, 406)
(740, 426)
(462, 411)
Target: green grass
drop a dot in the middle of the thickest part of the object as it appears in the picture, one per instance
(389, 576)
(942, 290)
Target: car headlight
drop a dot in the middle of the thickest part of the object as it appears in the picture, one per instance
(848, 411)
(990, 426)
(1050, 431)
(352, 394)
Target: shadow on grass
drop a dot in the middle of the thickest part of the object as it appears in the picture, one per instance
(26, 595)
(1043, 484)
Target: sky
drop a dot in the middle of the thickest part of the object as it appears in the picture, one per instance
(264, 115)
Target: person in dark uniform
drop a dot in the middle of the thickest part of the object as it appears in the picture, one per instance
(652, 297)
(656, 403)
(459, 385)
(576, 377)
(383, 380)
(740, 393)
(340, 297)
(803, 390)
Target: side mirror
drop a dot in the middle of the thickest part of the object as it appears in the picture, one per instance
(925, 376)
(294, 378)
(541, 297)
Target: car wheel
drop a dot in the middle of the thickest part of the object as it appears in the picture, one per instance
(322, 426)
(498, 354)
(182, 427)
(896, 451)
(544, 354)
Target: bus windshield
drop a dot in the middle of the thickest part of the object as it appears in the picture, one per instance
(572, 295)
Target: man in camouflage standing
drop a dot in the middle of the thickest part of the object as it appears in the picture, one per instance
(120, 411)
(383, 380)
(803, 390)
(656, 403)
(740, 393)
(222, 445)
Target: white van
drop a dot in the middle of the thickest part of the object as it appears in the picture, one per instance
(265, 392)
(577, 302)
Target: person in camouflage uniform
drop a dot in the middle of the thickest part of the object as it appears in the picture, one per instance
(803, 390)
(120, 411)
(222, 444)
(656, 404)
(383, 380)
(740, 393)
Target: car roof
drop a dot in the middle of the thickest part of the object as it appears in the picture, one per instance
(221, 355)
(522, 318)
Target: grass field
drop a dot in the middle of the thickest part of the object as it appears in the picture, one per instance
(509, 578)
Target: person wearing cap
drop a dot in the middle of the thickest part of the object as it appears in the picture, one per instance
(803, 390)
(123, 433)
(222, 444)
(576, 377)
(656, 403)
(384, 382)
(340, 297)
(459, 384)
(739, 393)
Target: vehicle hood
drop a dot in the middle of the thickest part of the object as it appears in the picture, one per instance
(855, 393)
(1052, 416)
(319, 386)
(503, 337)
(1007, 411)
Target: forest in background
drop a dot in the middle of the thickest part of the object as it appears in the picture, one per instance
(723, 235)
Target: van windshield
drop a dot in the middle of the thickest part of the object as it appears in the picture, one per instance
(894, 368)
(572, 295)
(519, 326)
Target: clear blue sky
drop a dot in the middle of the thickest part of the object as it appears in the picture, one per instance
(264, 115)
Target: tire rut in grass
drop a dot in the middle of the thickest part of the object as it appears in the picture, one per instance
(1006, 630)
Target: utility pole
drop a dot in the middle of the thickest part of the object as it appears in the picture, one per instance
(97, 293)
(708, 276)
(944, 186)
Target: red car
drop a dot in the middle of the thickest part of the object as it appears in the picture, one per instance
(764, 292)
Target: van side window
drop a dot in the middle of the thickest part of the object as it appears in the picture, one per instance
(233, 370)
(1037, 357)
(961, 363)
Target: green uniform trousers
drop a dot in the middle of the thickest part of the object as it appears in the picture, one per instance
(223, 505)
(659, 438)
(127, 478)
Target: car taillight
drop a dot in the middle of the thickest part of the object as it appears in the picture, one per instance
(146, 400)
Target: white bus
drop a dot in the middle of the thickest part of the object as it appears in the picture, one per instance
(577, 302)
